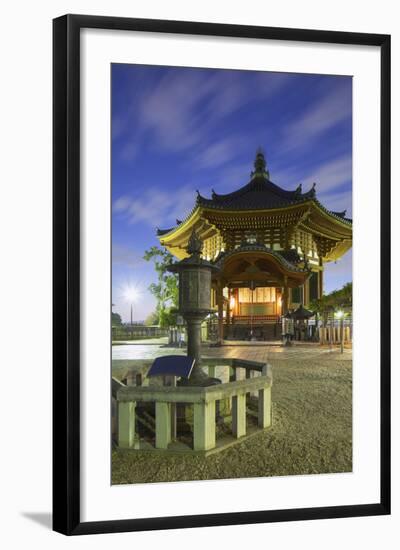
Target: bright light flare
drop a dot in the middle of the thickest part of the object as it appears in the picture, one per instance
(339, 314)
(131, 294)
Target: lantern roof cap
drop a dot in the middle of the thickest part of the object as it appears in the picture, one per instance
(301, 313)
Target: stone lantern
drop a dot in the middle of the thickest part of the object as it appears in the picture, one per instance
(194, 303)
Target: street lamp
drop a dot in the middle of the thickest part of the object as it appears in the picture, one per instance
(131, 294)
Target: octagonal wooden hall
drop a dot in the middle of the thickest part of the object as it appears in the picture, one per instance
(270, 245)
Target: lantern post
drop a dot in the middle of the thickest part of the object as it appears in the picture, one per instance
(194, 304)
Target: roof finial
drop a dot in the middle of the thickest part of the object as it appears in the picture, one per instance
(260, 165)
(298, 189)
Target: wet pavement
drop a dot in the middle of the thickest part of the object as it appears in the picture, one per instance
(255, 351)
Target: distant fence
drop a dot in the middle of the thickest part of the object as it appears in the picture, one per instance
(325, 332)
(328, 331)
(135, 332)
(331, 331)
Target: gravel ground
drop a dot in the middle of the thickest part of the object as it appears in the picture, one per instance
(311, 431)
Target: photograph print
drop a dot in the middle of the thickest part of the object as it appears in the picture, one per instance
(231, 306)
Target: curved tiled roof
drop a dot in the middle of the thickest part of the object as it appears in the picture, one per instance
(161, 232)
(338, 215)
(259, 194)
(250, 247)
(341, 215)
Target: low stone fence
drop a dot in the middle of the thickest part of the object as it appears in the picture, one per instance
(135, 332)
(250, 377)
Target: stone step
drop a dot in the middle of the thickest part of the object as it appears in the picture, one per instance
(245, 332)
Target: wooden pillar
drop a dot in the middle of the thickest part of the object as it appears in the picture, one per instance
(239, 415)
(228, 314)
(163, 425)
(204, 426)
(321, 280)
(237, 312)
(285, 296)
(306, 293)
(220, 303)
(126, 424)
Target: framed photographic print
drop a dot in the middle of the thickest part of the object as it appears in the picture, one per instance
(221, 274)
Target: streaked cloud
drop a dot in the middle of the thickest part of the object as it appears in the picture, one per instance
(332, 174)
(177, 114)
(156, 207)
(339, 201)
(317, 119)
(219, 153)
(333, 181)
(126, 256)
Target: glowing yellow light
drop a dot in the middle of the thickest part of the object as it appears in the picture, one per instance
(232, 302)
(339, 314)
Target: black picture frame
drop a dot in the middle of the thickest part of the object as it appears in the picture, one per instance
(66, 272)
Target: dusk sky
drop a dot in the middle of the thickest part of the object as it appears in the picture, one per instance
(175, 130)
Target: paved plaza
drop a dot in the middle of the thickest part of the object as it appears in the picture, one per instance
(312, 419)
(253, 351)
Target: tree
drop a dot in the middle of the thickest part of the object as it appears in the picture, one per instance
(337, 299)
(116, 319)
(166, 289)
(168, 317)
(152, 319)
